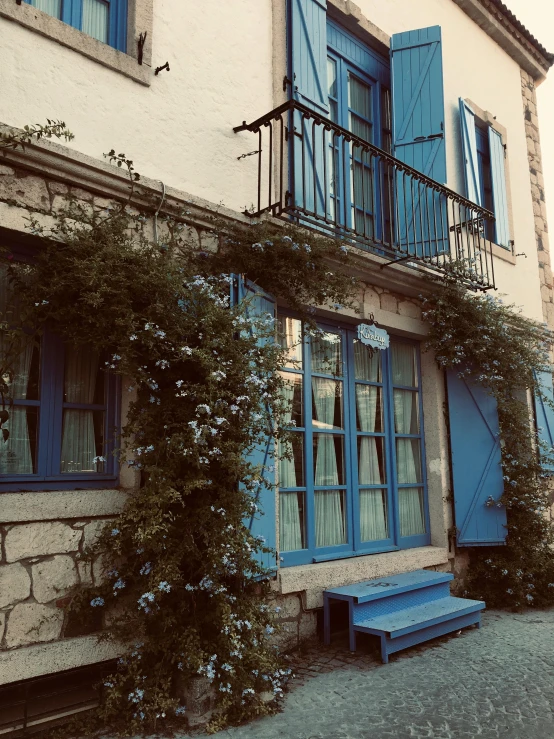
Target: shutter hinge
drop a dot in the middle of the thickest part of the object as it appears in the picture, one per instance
(286, 81)
(140, 44)
(286, 133)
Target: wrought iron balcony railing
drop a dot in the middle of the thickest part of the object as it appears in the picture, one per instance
(320, 175)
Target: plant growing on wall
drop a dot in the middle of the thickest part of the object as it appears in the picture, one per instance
(491, 342)
(182, 590)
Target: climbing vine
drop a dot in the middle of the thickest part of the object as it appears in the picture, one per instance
(484, 339)
(183, 590)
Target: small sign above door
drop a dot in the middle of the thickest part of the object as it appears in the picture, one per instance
(372, 336)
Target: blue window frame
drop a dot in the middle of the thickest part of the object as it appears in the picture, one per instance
(352, 477)
(359, 100)
(105, 20)
(59, 410)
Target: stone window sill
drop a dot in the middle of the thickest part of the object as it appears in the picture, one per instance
(39, 22)
(502, 253)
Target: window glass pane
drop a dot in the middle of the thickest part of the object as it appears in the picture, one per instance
(291, 462)
(95, 19)
(367, 362)
(83, 381)
(404, 365)
(406, 412)
(332, 84)
(330, 518)
(328, 459)
(371, 461)
(20, 366)
(326, 403)
(82, 441)
(408, 460)
(359, 99)
(52, 7)
(290, 339)
(369, 408)
(292, 533)
(373, 515)
(18, 453)
(292, 394)
(410, 506)
(326, 353)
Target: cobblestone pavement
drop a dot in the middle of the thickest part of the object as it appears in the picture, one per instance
(494, 682)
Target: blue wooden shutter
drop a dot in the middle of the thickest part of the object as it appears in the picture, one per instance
(263, 523)
(469, 152)
(308, 72)
(499, 195)
(476, 463)
(418, 101)
(544, 417)
(418, 139)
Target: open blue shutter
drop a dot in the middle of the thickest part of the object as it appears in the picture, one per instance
(308, 72)
(544, 417)
(263, 523)
(418, 139)
(469, 151)
(418, 101)
(476, 463)
(499, 195)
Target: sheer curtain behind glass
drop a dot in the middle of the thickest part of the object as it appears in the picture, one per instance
(15, 453)
(52, 7)
(95, 19)
(408, 454)
(290, 529)
(78, 438)
(373, 520)
(327, 394)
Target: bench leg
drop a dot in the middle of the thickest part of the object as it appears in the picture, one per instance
(384, 653)
(352, 639)
(326, 620)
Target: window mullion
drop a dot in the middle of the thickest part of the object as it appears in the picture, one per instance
(309, 451)
(394, 515)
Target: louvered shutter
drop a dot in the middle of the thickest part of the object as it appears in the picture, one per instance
(307, 35)
(262, 524)
(544, 417)
(418, 139)
(476, 463)
(469, 151)
(499, 194)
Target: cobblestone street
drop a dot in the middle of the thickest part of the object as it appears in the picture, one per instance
(494, 682)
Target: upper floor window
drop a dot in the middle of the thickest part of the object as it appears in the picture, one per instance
(351, 479)
(58, 409)
(105, 20)
(484, 155)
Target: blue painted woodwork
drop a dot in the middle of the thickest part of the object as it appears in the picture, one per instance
(544, 417)
(402, 610)
(418, 138)
(358, 56)
(418, 101)
(72, 13)
(469, 151)
(307, 36)
(476, 463)
(499, 195)
(355, 545)
(262, 524)
(48, 473)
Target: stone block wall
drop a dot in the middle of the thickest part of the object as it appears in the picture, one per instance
(41, 564)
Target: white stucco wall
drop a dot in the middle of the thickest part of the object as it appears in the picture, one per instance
(179, 129)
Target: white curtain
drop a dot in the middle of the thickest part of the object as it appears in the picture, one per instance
(329, 515)
(408, 456)
(290, 335)
(367, 363)
(326, 354)
(95, 19)
(15, 453)
(52, 7)
(78, 441)
(373, 520)
(290, 525)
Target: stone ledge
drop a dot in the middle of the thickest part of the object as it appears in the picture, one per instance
(52, 505)
(314, 578)
(46, 659)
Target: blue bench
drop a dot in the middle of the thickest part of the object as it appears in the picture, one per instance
(402, 610)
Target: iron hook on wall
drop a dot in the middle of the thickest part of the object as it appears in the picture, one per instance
(160, 69)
